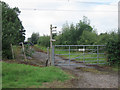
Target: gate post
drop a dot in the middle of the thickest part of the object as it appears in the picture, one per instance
(97, 54)
(53, 56)
(69, 55)
(83, 54)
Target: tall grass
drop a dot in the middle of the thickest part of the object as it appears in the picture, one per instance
(41, 48)
(24, 76)
(17, 51)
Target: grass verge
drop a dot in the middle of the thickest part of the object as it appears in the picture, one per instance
(23, 76)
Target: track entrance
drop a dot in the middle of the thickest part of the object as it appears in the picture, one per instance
(74, 54)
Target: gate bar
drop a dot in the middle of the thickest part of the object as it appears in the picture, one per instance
(69, 55)
(97, 55)
(77, 45)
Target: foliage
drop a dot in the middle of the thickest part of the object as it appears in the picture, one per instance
(34, 38)
(113, 49)
(12, 30)
(44, 41)
(103, 38)
(71, 35)
(18, 51)
(88, 38)
(24, 76)
(83, 33)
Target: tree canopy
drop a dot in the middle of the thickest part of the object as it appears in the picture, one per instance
(34, 37)
(12, 29)
(71, 34)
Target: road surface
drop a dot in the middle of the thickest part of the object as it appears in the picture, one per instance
(85, 76)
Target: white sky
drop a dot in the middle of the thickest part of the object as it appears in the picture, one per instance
(37, 15)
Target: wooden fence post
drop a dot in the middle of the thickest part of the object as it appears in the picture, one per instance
(12, 51)
(23, 50)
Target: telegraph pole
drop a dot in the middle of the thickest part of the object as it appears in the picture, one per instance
(51, 42)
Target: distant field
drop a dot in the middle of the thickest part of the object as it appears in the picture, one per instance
(79, 56)
(24, 76)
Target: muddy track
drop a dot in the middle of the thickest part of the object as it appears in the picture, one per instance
(85, 76)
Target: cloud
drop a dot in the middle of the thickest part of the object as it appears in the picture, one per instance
(57, 12)
(106, 19)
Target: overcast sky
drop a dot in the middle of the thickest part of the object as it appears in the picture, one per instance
(37, 15)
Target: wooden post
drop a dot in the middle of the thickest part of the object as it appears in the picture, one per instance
(48, 57)
(50, 44)
(48, 53)
(23, 51)
(12, 51)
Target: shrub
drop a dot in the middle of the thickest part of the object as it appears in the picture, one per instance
(113, 50)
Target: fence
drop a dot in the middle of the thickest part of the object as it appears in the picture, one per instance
(87, 54)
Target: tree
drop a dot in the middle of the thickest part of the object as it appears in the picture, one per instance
(113, 49)
(71, 34)
(103, 38)
(34, 37)
(64, 37)
(88, 38)
(83, 25)
(12, 30)
(44, 41)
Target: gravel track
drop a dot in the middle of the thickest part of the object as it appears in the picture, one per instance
(84, 78)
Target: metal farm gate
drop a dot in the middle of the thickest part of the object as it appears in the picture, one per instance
(74, 54)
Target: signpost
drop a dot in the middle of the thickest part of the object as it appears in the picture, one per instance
(51, 43)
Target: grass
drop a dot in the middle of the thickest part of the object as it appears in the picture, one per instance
(17, 51)
(24, 76)
(81, 57)
(41, 47)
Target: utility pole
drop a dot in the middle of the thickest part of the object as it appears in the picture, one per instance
(51, 42)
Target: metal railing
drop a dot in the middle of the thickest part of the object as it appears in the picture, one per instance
(80, 53)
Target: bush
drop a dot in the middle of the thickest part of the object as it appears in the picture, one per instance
(7, 54)
(113, 50)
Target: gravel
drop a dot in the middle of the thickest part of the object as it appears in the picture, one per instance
(83, 79)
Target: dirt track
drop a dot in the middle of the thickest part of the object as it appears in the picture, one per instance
(85, 76)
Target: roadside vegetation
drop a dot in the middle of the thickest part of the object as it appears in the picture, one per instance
(13, 31)
(82, 33)
(24, 76)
